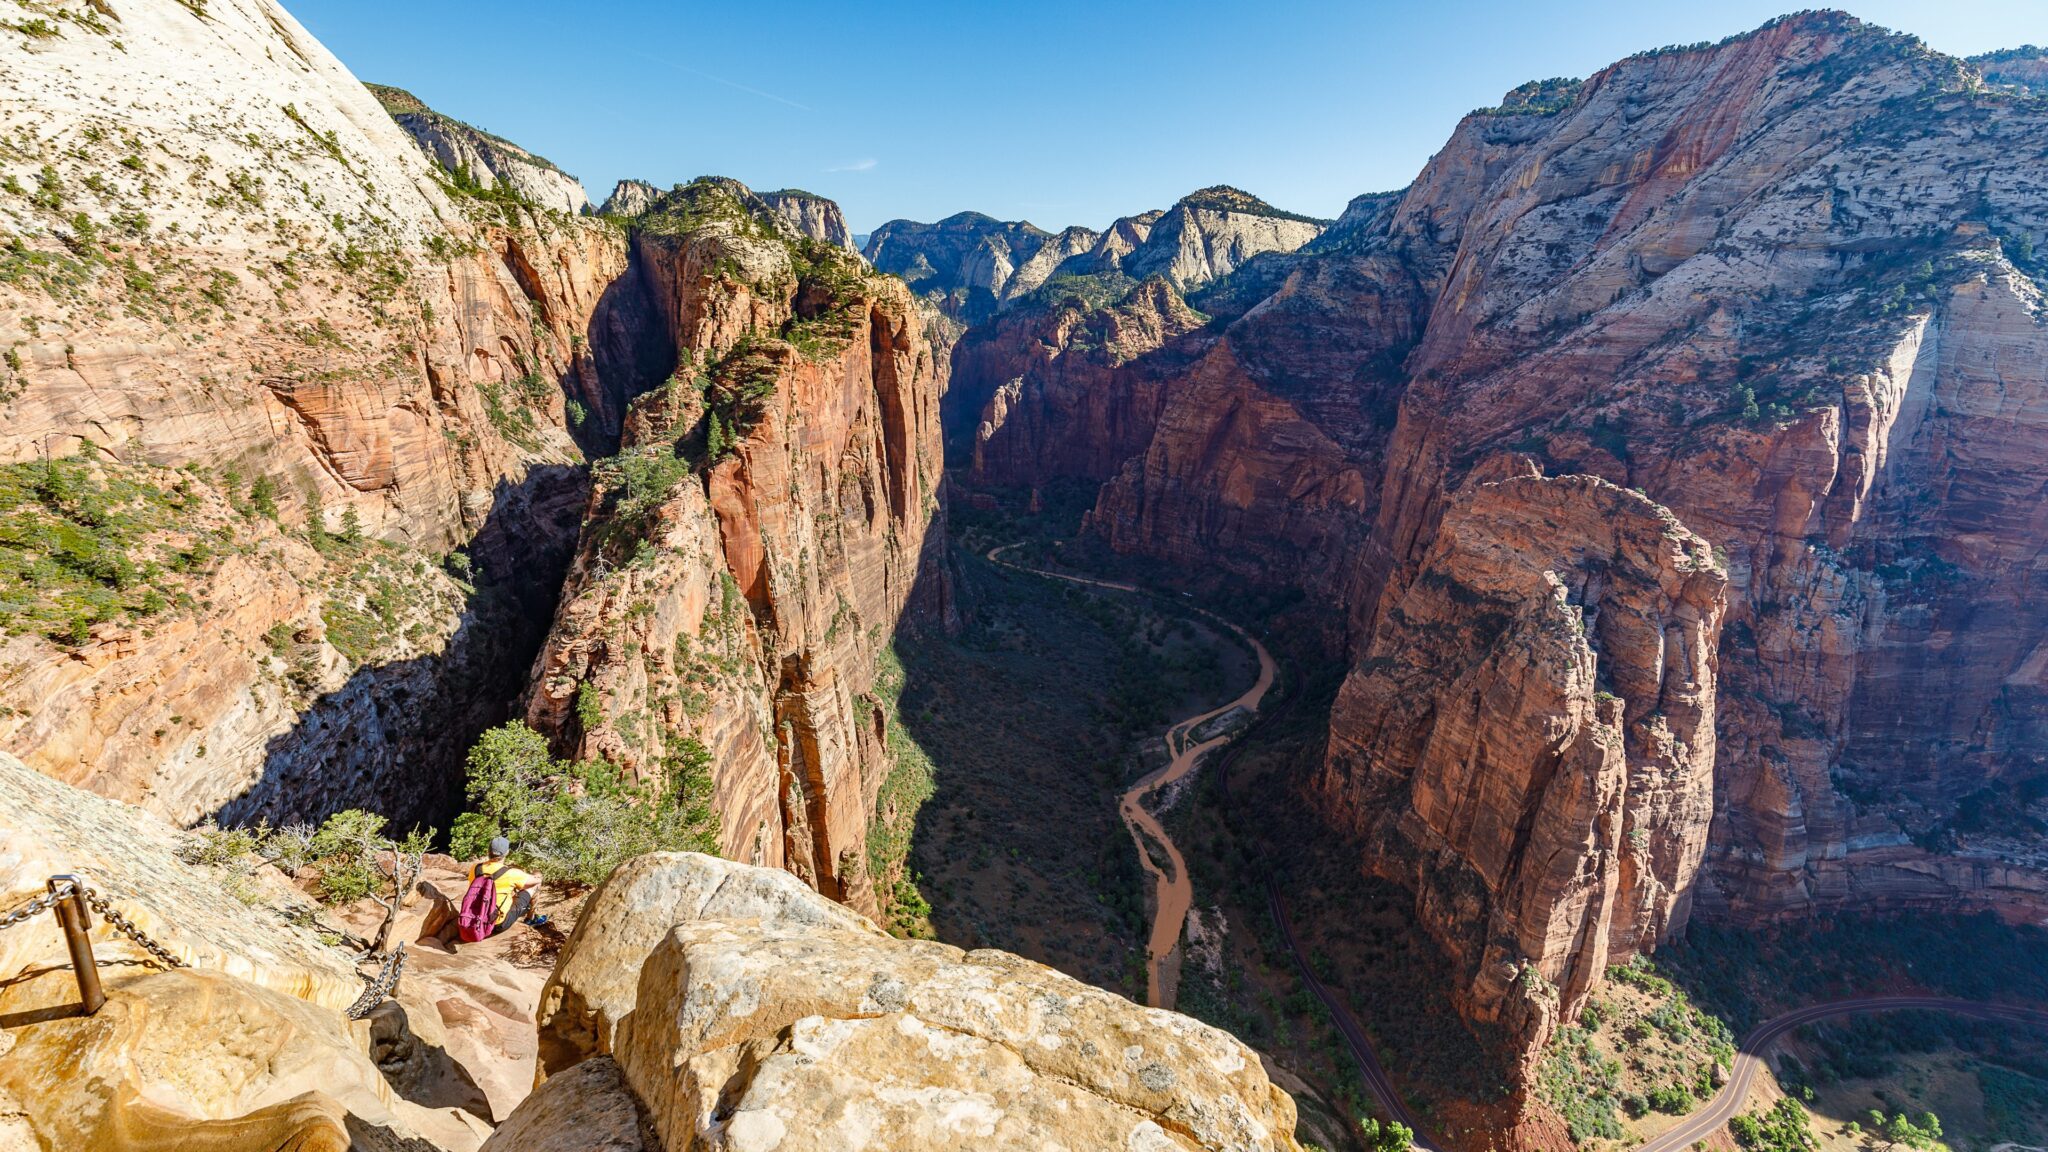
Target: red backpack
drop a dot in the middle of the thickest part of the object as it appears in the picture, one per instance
(479, 916)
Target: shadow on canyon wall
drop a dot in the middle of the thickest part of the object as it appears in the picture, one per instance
(393, 738)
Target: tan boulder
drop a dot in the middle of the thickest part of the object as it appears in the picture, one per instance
(586, 1109)
(596, 981)
(750, 1036)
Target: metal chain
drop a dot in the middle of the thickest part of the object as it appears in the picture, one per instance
(35, 907)
(157, 952)
(380, 985)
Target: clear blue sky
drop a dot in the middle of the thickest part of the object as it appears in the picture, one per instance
(1059, 112)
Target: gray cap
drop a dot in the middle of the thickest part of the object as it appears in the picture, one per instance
(500, 847)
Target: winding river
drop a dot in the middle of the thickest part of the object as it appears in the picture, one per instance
(1172, 889)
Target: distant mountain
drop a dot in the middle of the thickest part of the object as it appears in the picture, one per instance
(471, 154)
(975, 265)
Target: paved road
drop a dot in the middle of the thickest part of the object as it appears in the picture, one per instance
(1173, 889)
(1376, 1080)
(1749, 1061)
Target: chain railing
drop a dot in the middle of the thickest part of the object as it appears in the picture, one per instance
(74, 902)
(379, 986)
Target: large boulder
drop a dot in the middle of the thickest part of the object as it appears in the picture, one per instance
(745, 1011)
(596, 981)
(586, 1109)
(753, 1036)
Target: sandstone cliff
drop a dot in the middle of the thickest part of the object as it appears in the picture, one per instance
(261, 321)
(811, 216)
(1786, 287)
(491, 163)
(753, 549)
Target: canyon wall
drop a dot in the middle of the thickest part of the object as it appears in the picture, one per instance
(748, 557)
(282, 366)
(472, 155)
(1784, 288)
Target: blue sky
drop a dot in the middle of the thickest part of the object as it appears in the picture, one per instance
(1060, 112)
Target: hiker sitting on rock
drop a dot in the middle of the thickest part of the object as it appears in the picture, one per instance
(499, 896)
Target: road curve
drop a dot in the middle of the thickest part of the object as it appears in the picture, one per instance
(1749, 1061)
(1173, 890)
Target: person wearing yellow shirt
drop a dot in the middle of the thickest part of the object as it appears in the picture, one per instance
(515, 886)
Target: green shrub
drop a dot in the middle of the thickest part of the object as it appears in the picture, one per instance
(575, 821)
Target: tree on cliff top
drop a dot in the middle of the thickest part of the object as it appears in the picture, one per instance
(577, 820)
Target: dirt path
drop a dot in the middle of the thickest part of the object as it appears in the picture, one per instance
(1173, 891)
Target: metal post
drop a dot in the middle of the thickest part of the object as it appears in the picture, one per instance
(76, 920)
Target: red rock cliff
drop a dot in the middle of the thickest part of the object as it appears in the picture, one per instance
(749, 556)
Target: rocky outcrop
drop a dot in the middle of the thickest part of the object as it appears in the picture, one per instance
(810, 215)
(2025, 70)
(630, 198)
(1529, 741)
(760, 538)
(758, 1021)
(1787, 287)
(246, 288)
(1204, 237)
(474, 156)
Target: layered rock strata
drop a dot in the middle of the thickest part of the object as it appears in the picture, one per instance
(1786, 286)
(1529, 741)
(759, 539)
(245, 284)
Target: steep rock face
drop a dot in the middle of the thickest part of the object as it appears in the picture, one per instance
(1070, 376)
(747, 558)
(471, 153)
(248, 273)
(1041, 389)
(759, 1019)
(1784, 285)
(811, 215)
(1529, 741)
(630, 198)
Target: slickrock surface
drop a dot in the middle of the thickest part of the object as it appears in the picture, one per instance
(1529, 742)
(1787, 286)
(774, 517)
(199, 1059)
(768, 1023)
(246, 272)
(48, 828)
(492, 161)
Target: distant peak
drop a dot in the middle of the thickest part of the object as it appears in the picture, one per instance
(1224, 198)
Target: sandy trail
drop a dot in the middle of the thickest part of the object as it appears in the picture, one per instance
(1173, 891)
